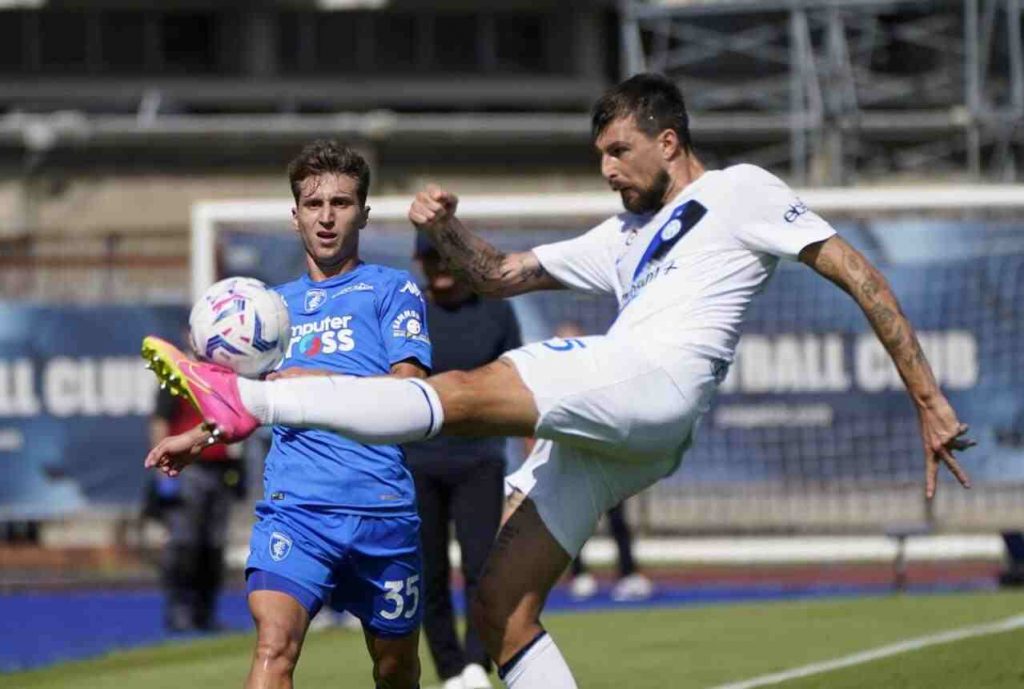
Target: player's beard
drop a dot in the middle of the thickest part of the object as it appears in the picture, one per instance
(650, 199)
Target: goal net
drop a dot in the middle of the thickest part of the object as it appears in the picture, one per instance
(811, 431)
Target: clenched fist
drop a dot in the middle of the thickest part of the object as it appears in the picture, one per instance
(433, 208)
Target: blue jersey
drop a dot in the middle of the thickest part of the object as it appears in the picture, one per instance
(359, 323)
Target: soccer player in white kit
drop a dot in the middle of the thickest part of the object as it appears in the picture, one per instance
(613, 413)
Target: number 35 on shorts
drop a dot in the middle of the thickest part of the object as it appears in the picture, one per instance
(402, 598)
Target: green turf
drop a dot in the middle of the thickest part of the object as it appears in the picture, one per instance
(679, 648)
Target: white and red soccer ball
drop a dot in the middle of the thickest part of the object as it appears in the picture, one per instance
(241, 324)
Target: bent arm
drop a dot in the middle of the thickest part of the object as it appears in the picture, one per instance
(841, 263)
(408, 369)
(487, 270)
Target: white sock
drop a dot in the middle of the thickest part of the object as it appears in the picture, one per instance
(538, 666)
(375, 411)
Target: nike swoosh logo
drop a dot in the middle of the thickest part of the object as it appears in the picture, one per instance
(188, 371)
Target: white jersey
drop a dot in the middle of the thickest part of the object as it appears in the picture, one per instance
(685, 275)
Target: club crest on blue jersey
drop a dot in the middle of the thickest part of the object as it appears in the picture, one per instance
(315, 298)
(280, 546)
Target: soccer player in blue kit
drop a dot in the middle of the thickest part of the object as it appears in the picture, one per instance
(337, 524)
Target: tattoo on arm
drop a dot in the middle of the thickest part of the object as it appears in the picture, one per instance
(489, 271)
(847, 268)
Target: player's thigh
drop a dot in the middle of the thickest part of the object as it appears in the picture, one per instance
(291, 557)
(281, 623)
(571, 487)
(490, 400)
(607, 396)
(523, 565)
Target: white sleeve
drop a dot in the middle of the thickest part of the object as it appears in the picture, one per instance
(773, 219)
(586, 262)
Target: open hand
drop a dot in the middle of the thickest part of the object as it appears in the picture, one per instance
(942, 434)
(175, 452)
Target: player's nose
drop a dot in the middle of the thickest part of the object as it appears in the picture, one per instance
(608, 170)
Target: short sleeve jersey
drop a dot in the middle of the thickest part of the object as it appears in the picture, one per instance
(359, 323)
(685, 275)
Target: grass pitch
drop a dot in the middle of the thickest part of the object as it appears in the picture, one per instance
(678, 647)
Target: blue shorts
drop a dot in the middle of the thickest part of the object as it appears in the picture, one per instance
(369, 566)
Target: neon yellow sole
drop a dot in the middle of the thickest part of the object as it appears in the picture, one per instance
(160, 356)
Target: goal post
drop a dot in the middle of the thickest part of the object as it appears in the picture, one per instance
(811, 431)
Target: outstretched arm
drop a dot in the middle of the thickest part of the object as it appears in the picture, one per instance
(487, 270)
(941, 431)
(175, 452)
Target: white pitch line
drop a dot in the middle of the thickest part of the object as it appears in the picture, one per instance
(877, 653)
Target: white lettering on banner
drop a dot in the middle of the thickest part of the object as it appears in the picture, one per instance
(788, 363)
(953, 356)
(17, 389)
(772, 415)
(110, 386)
(817, 363)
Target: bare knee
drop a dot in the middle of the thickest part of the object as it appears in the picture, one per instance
(397, 667)
(277, 649)
(492, 612)
(397, 673)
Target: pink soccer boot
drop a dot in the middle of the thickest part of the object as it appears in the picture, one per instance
(210, 388)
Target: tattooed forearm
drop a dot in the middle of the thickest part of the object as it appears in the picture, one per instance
(469, 257)
(848, 269)
(486, 269)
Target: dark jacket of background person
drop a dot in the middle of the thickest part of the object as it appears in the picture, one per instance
(459, 480)
(196, 509)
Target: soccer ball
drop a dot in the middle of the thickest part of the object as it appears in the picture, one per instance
(241, 324)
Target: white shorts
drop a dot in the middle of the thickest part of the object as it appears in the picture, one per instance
(611, 422)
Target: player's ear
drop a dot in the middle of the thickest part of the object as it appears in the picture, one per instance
(668, 143)
(365, 218)
(295, 219)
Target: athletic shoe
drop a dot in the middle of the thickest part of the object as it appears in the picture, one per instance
(210, 388)
(633, 587)
(583, 586)
(475, 677)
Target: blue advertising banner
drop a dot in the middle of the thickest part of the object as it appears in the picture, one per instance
(813, 395)
(74, 405)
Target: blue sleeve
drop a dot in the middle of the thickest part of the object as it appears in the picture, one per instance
(403, 322)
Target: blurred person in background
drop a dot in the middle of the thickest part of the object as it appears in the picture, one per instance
(196, 509)
(459, 481)
(631, 584)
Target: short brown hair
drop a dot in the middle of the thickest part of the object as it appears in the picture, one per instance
(325, 156)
